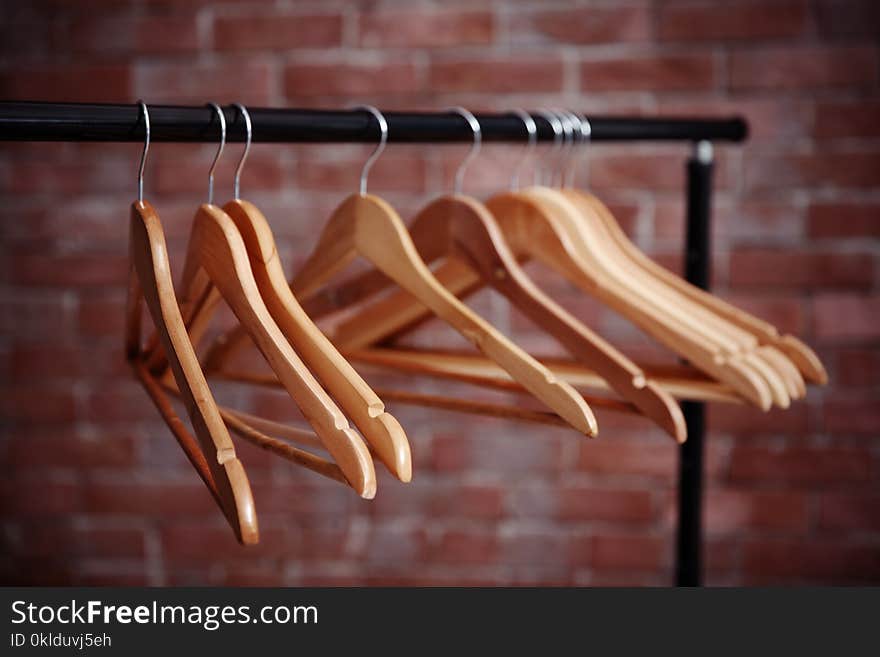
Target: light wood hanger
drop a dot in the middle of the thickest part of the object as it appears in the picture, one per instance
(535, 226)
(460, 227)
(804, 358)
(217, 257)
(368, 226)
(211, 451)
(380, 429)
(679, 381)
(783, 378)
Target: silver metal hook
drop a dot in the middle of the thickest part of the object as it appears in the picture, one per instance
(475, 147)
(586, 131)
(532, 130)
(577, 139)
(143, 108)
(247, 147)
(222, 118)
(556, 124)
(383, 139)
(567, 147)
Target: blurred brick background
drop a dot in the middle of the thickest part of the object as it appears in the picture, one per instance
(94, 488)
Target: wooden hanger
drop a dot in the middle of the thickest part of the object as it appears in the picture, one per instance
(462, 228)
(679, 381)
(368, 226)
(796, 352)
(380, 429)
(598, 220)
(571, 211)
(217, 257)
(210, 451)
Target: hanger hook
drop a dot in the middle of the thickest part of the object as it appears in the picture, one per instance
(577, 139)
(568, 131)
(222, 118)
(383, 139)
(532, 131)
(586, 132)
(556, 124)
(475, 146)
(143, 108)
(236, 182)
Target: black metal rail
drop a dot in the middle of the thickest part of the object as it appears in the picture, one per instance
(34, 121)
(25, 121)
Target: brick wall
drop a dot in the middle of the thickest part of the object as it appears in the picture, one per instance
(94, 488)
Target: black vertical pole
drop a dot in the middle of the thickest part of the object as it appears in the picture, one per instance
(697, 265)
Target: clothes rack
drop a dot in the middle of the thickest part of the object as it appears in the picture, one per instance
(73, 122)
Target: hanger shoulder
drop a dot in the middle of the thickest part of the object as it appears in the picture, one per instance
(381, 237)
(333, 252)
(801, 355)
(150, 264)
(365, 408)
(476, 238)
(534, 228)
(216, 247)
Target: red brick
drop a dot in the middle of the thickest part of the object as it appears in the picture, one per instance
(821, 170)
(736, 512)
(396, 171)
(582, 504)
(857, 367)
(246, 81)
(528, 548)
(532, 453)
(636, 458)
(62, 448)
(154, 498)
(813, 560)
(35, 314)
(38, 496)
(466, 547)
(641, 171)
(101, 315)
(840, 512)
(786, 313)
(37, 403)
(847, 118)
(748, 420)
(98, 83)
(587, 25)
(32, 362)
(466, 501)
(351, 79)
(279, 32)
(629, 552)
(786, 268)
(843, 219)
(803, 67)
(847, 18)
(425, 28)
(182, 542)
(496, 74)
(846, 317)
(396, 545)
(752, 20)
(852, 414)
(64, 178)
(155, 34)
(800, 466)
(70, 542)
(92, 270)
(188, 175)
(684, 72)
(118, 403)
